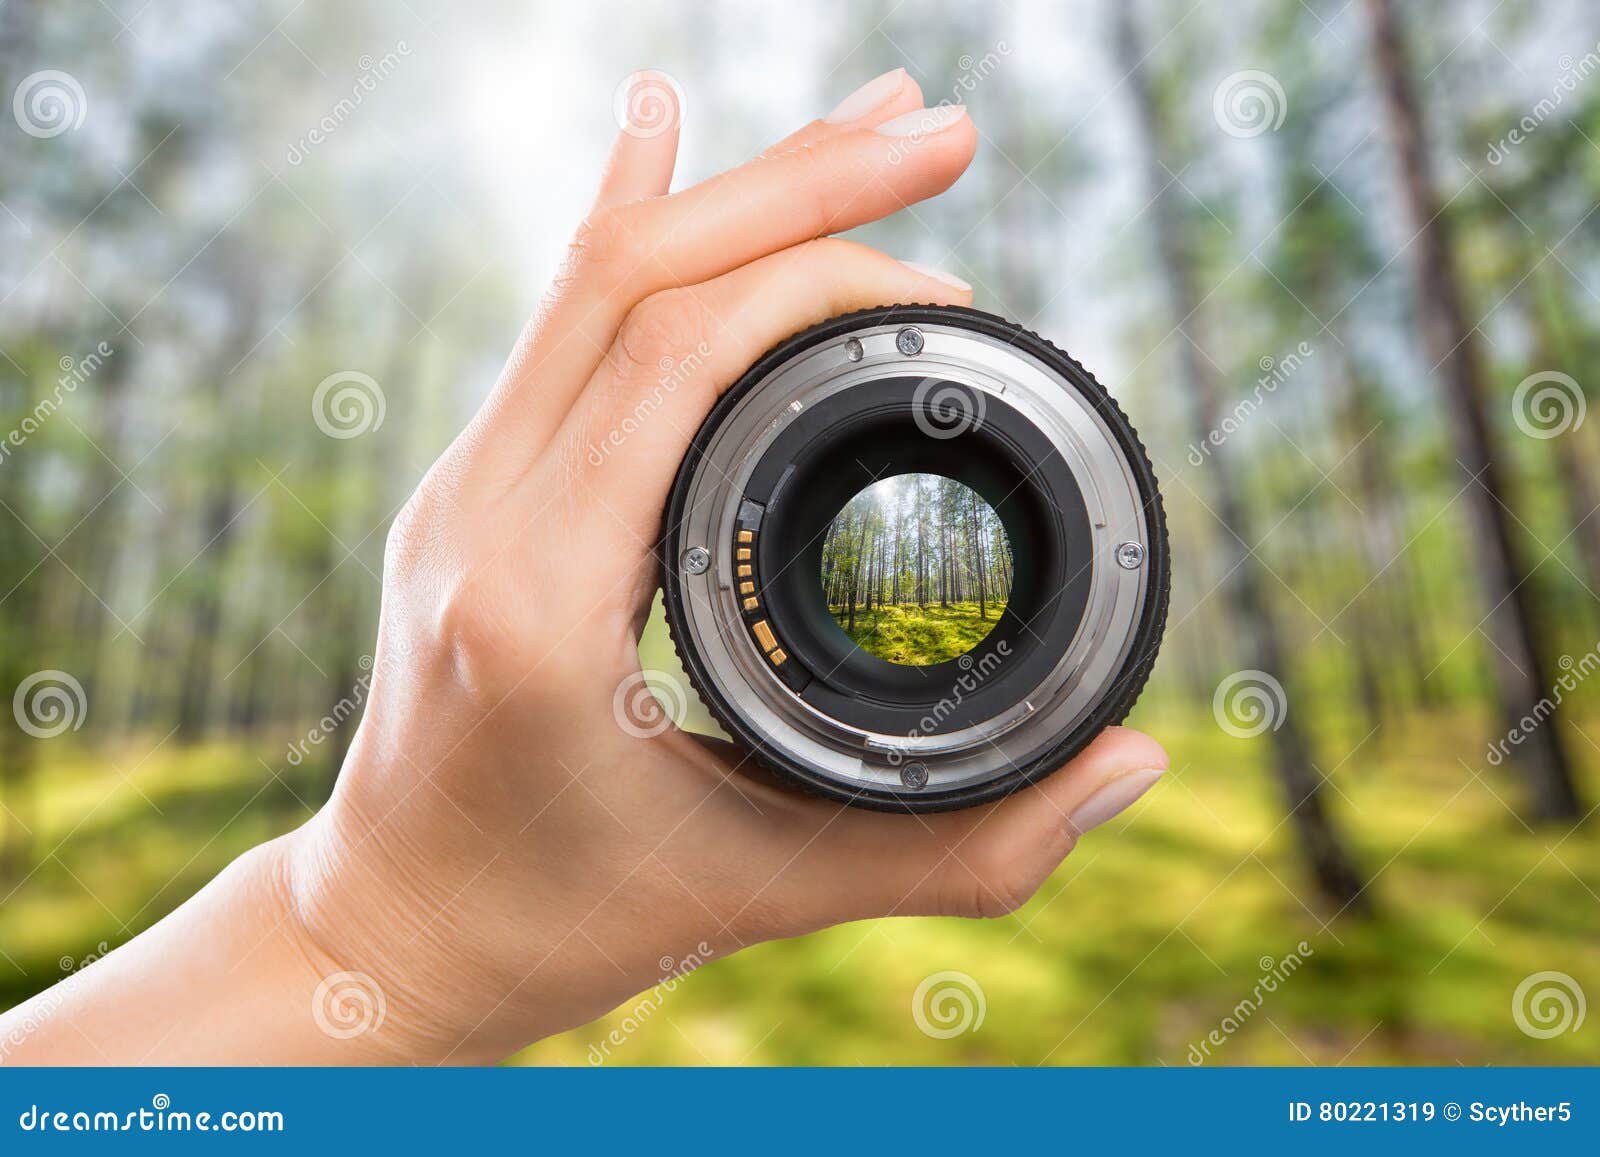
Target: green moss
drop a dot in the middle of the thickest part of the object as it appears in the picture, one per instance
(921, 636)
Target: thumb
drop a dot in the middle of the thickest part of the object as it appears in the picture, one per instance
(988, 861)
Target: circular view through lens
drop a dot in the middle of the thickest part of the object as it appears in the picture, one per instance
(916, 569)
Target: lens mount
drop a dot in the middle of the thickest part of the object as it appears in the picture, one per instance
(916, 390)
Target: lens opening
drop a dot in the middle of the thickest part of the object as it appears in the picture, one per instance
(916, 569)
(877, 430)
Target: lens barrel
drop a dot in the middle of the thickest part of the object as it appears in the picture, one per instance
(1083, 561)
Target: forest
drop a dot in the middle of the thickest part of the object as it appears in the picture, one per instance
(916, 569)
(1337, 260)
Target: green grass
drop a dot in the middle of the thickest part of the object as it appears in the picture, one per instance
(1148, 936)
(921, 636)
(1156, 928)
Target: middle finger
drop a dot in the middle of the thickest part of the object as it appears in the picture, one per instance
(624, 254)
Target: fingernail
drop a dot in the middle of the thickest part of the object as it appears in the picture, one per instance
(1112, 799)
(937, 274)
(868, 97)
(923, 121)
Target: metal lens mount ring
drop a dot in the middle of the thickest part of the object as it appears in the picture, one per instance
(906, 389)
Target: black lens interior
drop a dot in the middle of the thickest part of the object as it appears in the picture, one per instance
(878, 430)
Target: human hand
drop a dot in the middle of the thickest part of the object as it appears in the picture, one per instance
(500, 857)
(548, 859)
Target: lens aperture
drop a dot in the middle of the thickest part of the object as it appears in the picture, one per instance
(916, 569)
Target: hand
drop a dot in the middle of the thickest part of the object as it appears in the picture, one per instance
(500, 858)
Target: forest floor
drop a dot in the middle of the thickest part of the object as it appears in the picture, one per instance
(921, 636)
(1145, 941)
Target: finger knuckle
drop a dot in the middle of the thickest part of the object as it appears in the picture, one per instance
(811, 179)
(420, 533)
(660, 329)
(607, 242)
(467, 627)
(412, 544)
(1005, 896)
(404, 532)
(994, 888)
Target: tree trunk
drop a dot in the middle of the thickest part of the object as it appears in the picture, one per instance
(977, 557)
(1576, 468)
(872, 575)
(1331, 866)
(1516, 656)
(944, 560)
(855, 574)
(895, 594)
(1376, 553)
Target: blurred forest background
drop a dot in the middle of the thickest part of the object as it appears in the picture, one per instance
(1338, 259)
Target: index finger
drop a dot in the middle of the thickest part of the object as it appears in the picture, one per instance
(625, 253)
(778, 201)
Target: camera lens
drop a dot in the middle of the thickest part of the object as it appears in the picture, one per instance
(915, 559)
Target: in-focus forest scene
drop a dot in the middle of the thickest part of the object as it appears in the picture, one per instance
(916, 569)
(1338, 260)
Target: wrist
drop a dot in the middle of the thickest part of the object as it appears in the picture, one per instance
(275, 971)
(386, 986)
(484, 930)
(228, 977)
